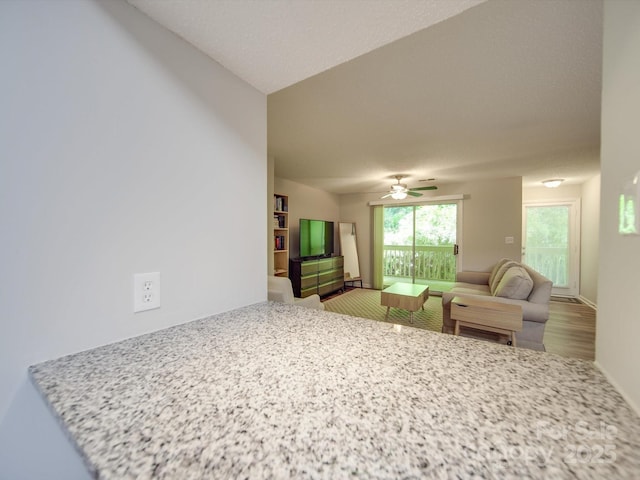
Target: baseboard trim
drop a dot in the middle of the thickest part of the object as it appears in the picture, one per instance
(588, 302)
(615, 385)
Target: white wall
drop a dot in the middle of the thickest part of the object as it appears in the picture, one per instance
(590, 240)
(121, 150)
(618, 324)
(354, 209)
(492, 211)
(269, 207)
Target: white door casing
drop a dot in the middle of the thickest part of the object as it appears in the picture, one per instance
(553, 248)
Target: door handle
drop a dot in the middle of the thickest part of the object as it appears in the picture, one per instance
(455, 249)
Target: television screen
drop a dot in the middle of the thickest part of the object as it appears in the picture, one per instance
(316, 238)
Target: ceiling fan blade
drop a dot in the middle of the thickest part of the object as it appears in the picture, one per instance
(386, 196)
(431, 187)
(413, 194)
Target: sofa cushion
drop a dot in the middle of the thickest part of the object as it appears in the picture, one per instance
(542, 286)
(495, 269)
(515, 284)
(499, 274)
(470, 289)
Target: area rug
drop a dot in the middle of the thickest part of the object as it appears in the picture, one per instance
(365, 303)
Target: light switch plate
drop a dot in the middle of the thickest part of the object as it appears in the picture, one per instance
(508, 240)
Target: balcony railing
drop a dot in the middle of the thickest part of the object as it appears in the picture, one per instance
(439, 263)
(430, 263)
(552, 262)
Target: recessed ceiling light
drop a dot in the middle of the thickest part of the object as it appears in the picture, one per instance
(553, 183)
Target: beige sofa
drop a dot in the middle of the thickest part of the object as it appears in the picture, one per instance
(508, 282)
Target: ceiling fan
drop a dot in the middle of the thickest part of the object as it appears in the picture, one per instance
(399, 190)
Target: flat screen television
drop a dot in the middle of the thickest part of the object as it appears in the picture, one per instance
(316, 238)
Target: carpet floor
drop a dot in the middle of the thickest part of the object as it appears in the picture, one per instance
(365, 303)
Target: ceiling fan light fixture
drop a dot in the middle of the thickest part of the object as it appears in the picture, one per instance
(553, 183)
(399, 195)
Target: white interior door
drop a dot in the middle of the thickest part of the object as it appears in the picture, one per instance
(551, 243)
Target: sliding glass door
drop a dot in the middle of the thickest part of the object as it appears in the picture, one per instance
(420, 244)
(399, 243)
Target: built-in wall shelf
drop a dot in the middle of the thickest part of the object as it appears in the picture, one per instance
(281, 235)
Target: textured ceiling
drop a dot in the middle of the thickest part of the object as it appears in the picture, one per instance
(505, 88)
(272, 44)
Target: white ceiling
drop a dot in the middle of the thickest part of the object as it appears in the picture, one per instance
(452, 89)
(272, 44)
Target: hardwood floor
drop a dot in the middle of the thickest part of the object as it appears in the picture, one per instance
(571, 330)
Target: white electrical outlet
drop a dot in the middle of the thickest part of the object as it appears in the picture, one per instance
(146, 291)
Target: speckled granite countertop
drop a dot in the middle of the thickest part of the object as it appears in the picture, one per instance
(278, 391)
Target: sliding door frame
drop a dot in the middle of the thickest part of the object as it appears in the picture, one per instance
(378, 228)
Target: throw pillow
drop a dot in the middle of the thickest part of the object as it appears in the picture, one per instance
(515, 284)
(495, 269)
(499, 274)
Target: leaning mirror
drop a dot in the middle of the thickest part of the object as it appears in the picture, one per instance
(349, 250)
